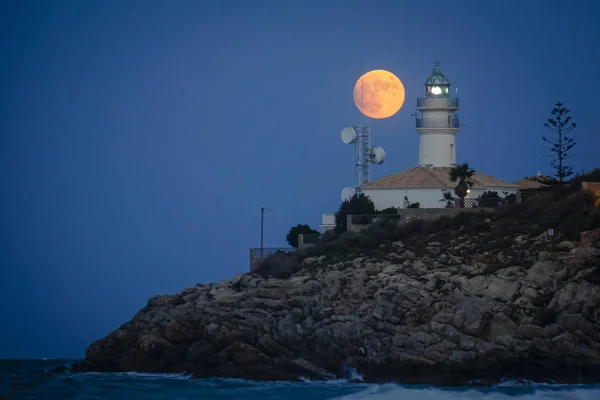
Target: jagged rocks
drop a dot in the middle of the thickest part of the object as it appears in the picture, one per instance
(445, 317)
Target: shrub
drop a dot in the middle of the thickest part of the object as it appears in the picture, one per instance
(357, 205)
(489, 199)
(292, 236)
(563, 207)
(280, 266)
(408, 204)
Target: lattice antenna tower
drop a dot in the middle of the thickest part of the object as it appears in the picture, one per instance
(363, 145)
(364, 154)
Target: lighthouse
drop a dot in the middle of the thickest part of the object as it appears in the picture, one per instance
(437, 121)
(425, 185)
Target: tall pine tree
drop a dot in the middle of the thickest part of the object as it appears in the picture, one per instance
(560, 124)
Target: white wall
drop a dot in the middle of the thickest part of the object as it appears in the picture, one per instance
(476, 192)
(327, 222)
(437, 135)
(437, 149)
(384, 198)
(427, 198)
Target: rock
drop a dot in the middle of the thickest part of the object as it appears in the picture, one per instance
(235, 281)
(544, 256)
(542, 274)
(60, 369)
(448, 316)
(565, 246)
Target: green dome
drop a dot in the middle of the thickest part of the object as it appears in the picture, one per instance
(437, 77)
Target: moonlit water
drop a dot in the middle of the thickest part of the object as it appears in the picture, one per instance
(29, 379)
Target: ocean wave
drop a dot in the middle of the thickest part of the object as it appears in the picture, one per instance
(130, 375)
(508, 390)
(27, 380)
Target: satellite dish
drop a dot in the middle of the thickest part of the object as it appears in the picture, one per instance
(348, 135)
(377, 155)
(347, 193)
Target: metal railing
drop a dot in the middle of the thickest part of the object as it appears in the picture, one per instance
(452, 123)
(451, 103)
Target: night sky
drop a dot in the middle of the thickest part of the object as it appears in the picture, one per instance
(139, 139)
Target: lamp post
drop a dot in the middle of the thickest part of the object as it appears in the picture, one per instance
(262, 220)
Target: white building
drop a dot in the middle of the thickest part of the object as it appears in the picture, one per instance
(437, 125)
(426, 185)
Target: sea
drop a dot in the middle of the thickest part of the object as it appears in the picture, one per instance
(31, 379)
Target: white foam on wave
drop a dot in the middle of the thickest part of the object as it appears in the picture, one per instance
(136, 375)
(351, 376)
(537, 392)
(528, 383)
(327, 382)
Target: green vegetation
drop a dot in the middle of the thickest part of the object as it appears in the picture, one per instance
(359, 204)
(409, 204)
(388, 211)
(489, 199)
(292, 236)
(462, 174)
(448, 198)
(564, 208)
(280, 266)
(560, 124)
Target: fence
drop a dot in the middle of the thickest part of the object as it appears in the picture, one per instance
(526, 195)
(486, 202)
(307, 239)
(257, 254)
(357, 222)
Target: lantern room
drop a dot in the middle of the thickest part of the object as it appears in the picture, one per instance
(438, 84)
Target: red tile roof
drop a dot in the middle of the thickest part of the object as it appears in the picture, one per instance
(432, 177)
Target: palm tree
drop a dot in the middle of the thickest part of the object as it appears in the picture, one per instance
(462, 174)
(448, 198)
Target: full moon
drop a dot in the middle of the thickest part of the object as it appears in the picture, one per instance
(379, 94)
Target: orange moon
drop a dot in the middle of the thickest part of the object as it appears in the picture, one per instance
(379, 94)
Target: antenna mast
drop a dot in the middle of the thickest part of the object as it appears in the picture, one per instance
(362, 145)
(364, 154)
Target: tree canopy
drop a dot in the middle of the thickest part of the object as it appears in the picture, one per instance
(447, 198)
(292, 236)
(462, 174)
(408, 204)
(560, 124)
(359, 204)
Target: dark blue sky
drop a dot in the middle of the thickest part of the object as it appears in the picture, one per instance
(139, 138)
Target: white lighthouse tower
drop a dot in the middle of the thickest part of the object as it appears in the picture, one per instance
(437, 121)
(427, 183)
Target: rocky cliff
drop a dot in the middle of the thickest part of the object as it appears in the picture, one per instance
(473, 305)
